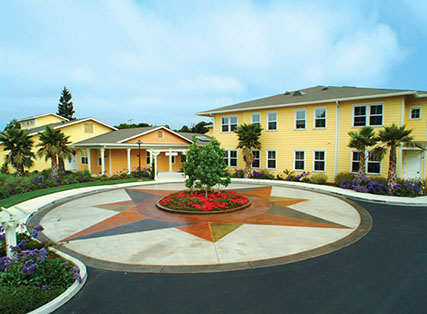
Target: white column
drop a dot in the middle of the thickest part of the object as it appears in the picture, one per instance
(89, 161)
(154, 155)
(170, 161)
(109, 159)
(129, 160)
(102, 151)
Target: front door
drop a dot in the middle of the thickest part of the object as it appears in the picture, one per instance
(412, 164)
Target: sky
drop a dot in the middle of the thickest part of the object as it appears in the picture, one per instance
(161, 62)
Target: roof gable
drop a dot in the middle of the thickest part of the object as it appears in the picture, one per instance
(158, 135)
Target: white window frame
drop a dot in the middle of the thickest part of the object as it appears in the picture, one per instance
(259, 158)
(305, 119)
(228, 157)
(277, 121)
(315, 118)
(147, 157)
(368, 114)
(229, 125)
(415, 107)
(267, 159)
(99, 159)
(84, 154)
(256, 114)
(324, 159)
(367, 163)
(295, 153)
(352, 160)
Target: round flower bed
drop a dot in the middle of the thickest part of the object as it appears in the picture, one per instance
(198, 203)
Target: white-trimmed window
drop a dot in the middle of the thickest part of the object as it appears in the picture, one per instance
(271, 121)
(230, 157)
(256, 163)
(147, 157)
(355, 161)
(99, 158)
(373, 165)
(228, 124)
(84, 157)
(319, 160)
(415, 113)
(256, 118)
(88, 128)
(369, 114)
(271, 158)
(299, 159)
(173, 159)
(300, 116)
(319, 116)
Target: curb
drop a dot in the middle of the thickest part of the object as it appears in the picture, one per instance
(380, 199)
(69, 293)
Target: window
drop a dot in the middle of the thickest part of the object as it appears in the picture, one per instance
(371, 114)
(299, 159)
(228, 124)
(271, 121)
(373, 165)
(256, 118)
(319, 118)
(147, 157)
(230, 157)
(300, 118)
(182, 157)
(257, 160)
(173, 159)
(271, 159)
(319, 160)
(99, 158)
(88, 128)
(160, 134)
(414, 112)
(355, 161)
(83, 157)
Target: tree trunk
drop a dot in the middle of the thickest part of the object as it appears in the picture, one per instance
(61, 165)
(248, 169)
(54, 165)
(20, 171)
(362, 162)
(392, 176)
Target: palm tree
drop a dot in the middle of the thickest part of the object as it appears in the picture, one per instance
(249, 139)
(19, 144)
(65, 151)
(361, 141)
(392, 137)
(49, 146)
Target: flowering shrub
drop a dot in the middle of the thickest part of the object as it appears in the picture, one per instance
(238, 173)
(196, 201)
(263, 174)
(369, 185)
(37, 273)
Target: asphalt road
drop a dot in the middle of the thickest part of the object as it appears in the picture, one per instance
(384, 272)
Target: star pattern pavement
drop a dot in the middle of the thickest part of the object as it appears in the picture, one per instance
(141, 214)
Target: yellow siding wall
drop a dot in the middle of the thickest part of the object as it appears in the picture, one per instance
(42, 121)
(210, 132)
(287, 139)
(152, 138)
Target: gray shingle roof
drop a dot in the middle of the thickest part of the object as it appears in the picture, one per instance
(114, 137)
(312, 94)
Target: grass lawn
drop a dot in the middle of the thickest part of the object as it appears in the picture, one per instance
(16, 199)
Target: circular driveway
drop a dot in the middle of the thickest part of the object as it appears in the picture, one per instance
(123, 230)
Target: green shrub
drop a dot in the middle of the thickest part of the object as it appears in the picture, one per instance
(319, 178)
(342, 176)
(381, 180)
(4, 168)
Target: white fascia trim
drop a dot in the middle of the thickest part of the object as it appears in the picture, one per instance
(307, 103)
(152, 130)
(84, 120)
(43, 115)
(115, 145)
(420, 95)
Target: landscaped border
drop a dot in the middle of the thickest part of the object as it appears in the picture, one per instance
(364, 226)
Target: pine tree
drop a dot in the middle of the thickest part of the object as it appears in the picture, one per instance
(65, 106)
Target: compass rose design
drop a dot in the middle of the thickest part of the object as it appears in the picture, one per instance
(141, 214)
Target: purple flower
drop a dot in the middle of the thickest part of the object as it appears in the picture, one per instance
(39, 228)
(78, 277)
(46, 288)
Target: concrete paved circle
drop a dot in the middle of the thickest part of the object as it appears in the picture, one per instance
(123, 230)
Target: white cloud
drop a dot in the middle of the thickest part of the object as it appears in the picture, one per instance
(170, 59)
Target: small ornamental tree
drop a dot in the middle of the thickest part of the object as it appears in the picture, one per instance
(65, 106)
(206, 167)
(249, 139)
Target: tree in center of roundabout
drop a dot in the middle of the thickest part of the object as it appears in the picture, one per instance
(204, 168)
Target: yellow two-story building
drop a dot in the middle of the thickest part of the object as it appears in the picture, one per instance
(307, 130)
